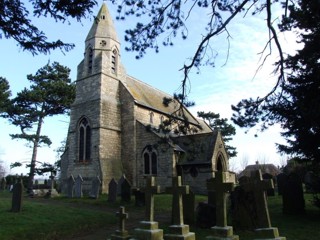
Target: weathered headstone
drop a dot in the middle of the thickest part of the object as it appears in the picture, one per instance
(221, 188)
(120, 181)
(112, 193)
(78, 187)
(17, 197)
(3, 184)
(270, 191)
(292, 196)
(148, 229)
(188, 201)
(125, 191)
(70, 187)
(121, 233)
(178, 230)
(95, 188)
(205, 215)
(259, 187)
(282, 179)
(139, 198)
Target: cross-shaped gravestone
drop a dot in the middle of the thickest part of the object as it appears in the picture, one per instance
(150, 190)
(259, 187)
(177, 190)
(122, 215)
(221, 187)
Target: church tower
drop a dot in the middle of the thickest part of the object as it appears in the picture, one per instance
(94, 137)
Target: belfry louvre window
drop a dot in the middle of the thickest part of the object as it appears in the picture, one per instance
(84, 141)
(114, 59)
(150, 162)
(90, 60)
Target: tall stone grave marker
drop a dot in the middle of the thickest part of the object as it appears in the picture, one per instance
(149, 228)
(78, 187)
(17, 197)
(178, 230)
(112, 192)
(126, 191)
(95, 188)
(221, 187)
(292, 196)
(282, 180)
(70, 186)
(189, 207)
(121, 233)
(259, 188)
(120, 181)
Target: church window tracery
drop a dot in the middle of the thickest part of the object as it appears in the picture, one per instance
(150, 159)
(84, 141)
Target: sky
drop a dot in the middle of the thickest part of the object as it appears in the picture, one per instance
(213, 89)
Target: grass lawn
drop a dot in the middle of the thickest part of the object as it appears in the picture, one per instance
(53, 220)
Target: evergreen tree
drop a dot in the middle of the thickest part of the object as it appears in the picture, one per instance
(51, 93)
(221, 124)
(15, 21)
(5, 94)
(297, 105)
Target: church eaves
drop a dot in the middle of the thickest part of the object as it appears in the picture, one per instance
(103, 26)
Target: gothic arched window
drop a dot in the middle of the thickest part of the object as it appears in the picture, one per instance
(84, 141)
(114, 61)
(150, 161)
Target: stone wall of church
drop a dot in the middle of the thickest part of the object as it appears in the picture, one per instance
(166, 168)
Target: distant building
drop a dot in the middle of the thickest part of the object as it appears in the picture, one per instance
(265, 169)
(114, 124)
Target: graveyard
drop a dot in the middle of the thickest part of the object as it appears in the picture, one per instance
(158, 213)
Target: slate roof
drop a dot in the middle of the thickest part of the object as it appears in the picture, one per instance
(152, 98)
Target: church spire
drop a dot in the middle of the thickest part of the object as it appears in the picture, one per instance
(103, 26)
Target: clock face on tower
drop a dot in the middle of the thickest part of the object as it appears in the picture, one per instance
(103, 43)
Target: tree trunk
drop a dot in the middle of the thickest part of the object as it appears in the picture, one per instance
(34, 156)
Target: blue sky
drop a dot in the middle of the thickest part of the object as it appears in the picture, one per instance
(214, 89)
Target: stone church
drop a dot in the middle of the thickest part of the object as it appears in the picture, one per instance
(115, 119)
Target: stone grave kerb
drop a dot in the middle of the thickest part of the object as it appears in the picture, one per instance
(150, 189)
(221, 188)
(259, 186)
(177, 190)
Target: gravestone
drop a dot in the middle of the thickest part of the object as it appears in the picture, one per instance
(270, 191)
(120, 181)
(121, 233)
(70, 187)
(188, 201)
(282, 179)
(139, 198)
(125, 191)
(205, 215)
(178, 230)
(292, 196)
(221, 188)
(17, 197)
(112, 192)
(148, 229)
(78, 187)
(95, 188)
(259, 186)
(3, 184)
(243, 209)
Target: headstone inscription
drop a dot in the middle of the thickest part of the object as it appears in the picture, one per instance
(70, 187)
(95, 188)
(221, 188)
(178, 230)
(259, 187)
(17, 197)
(125, 191)
(78, 187)
(292, 196)
(148, 229)
(112, 192)
(121, 233)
